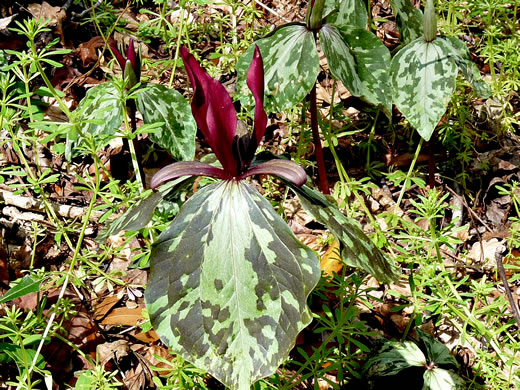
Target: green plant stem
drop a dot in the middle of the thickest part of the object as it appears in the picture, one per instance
(73, 261)
(408, 175)
(370, 139)
(179, 36)
(431, 160)
(318, 150)
(465, 314)
(130, 137)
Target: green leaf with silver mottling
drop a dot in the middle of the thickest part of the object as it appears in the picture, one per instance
(440, 379)
(100, 109)
(409, 20)
(290, 64)
(350, 13)
(373, 64)
(141, 212)
(229, 283)
(423, 78)
(437, 351)
(468, 68)
(160, 104)
(340, 58)
(357, 249)
(394, 357)
(360, 61)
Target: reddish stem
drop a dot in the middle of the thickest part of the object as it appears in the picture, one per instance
(318, 150)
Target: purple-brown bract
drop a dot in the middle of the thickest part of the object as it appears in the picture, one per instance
(216, 117)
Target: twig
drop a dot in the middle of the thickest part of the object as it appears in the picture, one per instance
(502, 272)
(473, 214)
(82, 13)
(272, 11)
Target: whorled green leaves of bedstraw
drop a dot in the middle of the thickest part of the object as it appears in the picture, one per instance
(229, 283)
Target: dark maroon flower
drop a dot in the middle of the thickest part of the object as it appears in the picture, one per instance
(216, 117)
(131, 66)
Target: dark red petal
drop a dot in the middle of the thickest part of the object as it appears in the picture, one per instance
(119, 57)
(213, 111)
(286, 169)
(255, 82)
(186, 168)
(130, 55)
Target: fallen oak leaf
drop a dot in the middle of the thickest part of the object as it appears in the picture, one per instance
(124, 316)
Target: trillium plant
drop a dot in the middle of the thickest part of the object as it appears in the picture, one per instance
(229, 280)
(165, 112)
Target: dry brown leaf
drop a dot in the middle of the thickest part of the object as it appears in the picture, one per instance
(148, 337)
(4, 22)
(135, 379)
(101, 309)
(331, 261)
(46, 11)
(115, 350)
(124, 316)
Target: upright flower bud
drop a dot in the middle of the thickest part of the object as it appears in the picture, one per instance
(314, 18)
(430, 21)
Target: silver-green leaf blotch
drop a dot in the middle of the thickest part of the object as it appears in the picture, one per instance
(423, 78)
(394, 357)
(357, 249)
(100, 110)
(159, 104)
(351, 13)
(290, 63)
(361, 62)
(409, 20)
(441, 379)
(229, 283)
(468, 68)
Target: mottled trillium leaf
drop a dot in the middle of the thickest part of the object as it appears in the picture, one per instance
(229, 283)
(141, 212)
(394, 357)
(290, 64)
(423, 78)
(409, 20)
(160, 104)
(357, 249)
(350, 13)
(437, 351)
(468, 68)
(100, 110)
(360, 61)
(441, 379)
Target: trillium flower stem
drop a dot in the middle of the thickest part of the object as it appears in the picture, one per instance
(318, 150)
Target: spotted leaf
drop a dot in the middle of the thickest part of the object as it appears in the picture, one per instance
(229, 283)
(409, 20)
(351, 13)
(468, 68)
(393, 358)
(100, 110)
(423, 78)
(160, 104)
(141, 212)
(290, 64)
(359, 59)
(357, 249)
